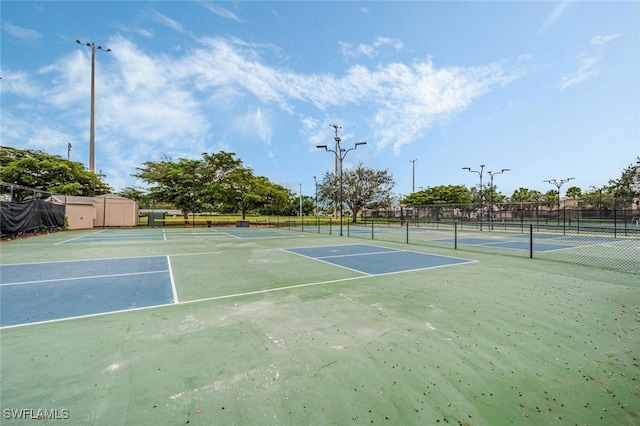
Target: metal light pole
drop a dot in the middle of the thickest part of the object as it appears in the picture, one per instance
(481, 200)
(413, 179)
(92, 158)
(558, 184)
(315, 205)
(68, 150)
(340, 154)
(300, 200)
(492, 174)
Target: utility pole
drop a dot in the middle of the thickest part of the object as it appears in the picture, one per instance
(92, 157)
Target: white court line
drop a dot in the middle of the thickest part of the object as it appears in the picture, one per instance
(121, 311)
(359, 254)
(112, 258)
(173, 283)
(72, 239)
(90, 277)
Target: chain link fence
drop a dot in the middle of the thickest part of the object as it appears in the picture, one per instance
(579, 231)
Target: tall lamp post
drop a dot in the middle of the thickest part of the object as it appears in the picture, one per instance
(479, 172)
(92, 157)
(340, 154)
(300, 200)
(558, 184)
(315, 205)
(413, 175)
(68, 151)
(492, 174)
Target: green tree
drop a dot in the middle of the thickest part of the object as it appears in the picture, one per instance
(362, 187)
(46, 172)
(574, 192)
(628, 184)
(137, 194)
(175, 183)
(443, 194)
(217, 181)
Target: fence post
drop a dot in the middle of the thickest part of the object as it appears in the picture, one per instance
(372, 228)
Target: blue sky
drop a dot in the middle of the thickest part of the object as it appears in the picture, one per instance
(547, 89)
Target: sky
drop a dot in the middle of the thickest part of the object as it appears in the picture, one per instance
(548, 90)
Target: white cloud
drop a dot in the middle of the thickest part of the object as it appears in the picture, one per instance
(586, 71)
(255, 123)
(600, 39)
(368, 50)
(148, 105)
(221, 11)
(26, 34)
(554, 16)
(168, 22)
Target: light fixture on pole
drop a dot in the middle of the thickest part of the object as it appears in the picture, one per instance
(558, 184)
(492, 174)
(68, 151)
(92, 157)
(481, 200)
(340, 154)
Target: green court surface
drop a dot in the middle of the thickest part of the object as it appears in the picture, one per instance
(262, 326)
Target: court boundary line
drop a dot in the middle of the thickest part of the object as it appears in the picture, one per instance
(83, 278)
(173, 283)
(390, 250)
(113, 258)
(377, 246)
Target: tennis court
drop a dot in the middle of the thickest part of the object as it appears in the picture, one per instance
(269, 326)
(36, 292)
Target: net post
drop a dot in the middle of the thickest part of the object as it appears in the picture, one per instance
(531, 241)
(372, 228)
(407, 225)
(455, 235)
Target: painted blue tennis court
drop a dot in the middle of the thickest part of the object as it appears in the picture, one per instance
(507, 244)
(39, 292)
(541, 243)
(375, 260)
(118, 236)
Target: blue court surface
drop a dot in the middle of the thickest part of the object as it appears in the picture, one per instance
(118, 236)
(506, 244)
(39, 292)
(374, 260)
(255, 233)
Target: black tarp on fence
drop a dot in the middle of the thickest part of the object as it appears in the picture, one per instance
(32, 216)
